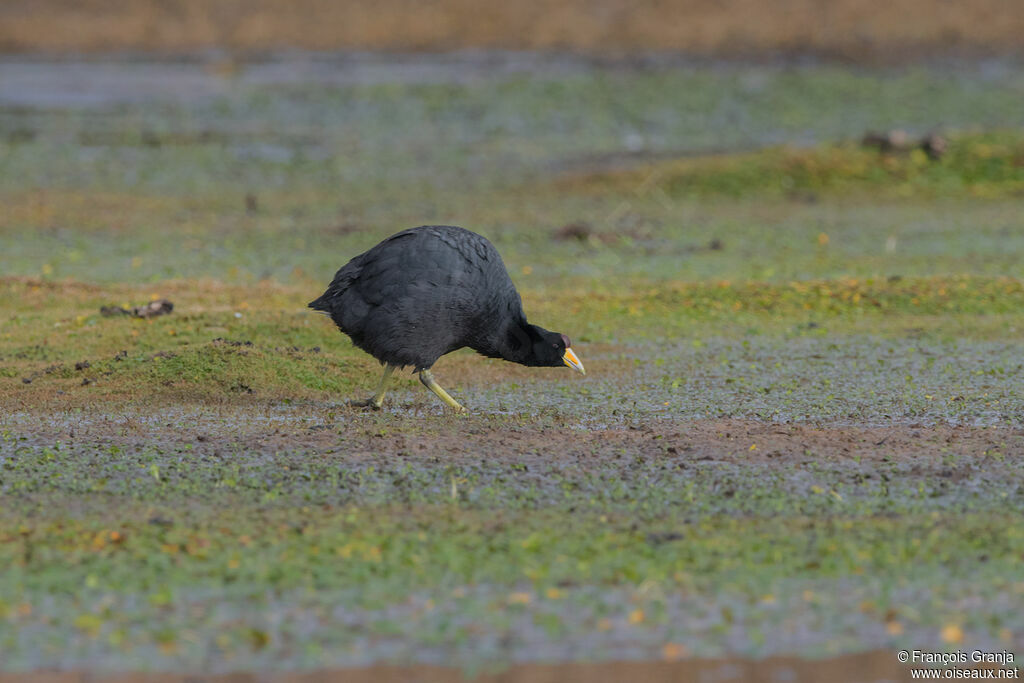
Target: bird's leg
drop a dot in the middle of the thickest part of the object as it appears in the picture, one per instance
(377, 399)
(428, 381)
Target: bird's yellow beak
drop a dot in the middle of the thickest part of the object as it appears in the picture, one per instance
(572, 361)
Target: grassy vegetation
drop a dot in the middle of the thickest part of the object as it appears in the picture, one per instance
(799, 431)
(486, 572)
(980, 165)
(58, 350)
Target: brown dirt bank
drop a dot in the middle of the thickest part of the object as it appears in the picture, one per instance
(869, 667)
(852, 29)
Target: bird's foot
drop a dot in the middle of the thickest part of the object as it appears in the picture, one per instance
(428, 381)
(367, 403)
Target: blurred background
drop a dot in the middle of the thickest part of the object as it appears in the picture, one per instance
(849, 29)
(338, 121)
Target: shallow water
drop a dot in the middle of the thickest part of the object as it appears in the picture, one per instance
(140, 170)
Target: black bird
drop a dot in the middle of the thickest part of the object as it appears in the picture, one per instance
(430, 290)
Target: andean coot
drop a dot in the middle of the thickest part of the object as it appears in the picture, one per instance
(430, 290)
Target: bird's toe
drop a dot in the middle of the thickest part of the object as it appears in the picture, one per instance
(367, 403)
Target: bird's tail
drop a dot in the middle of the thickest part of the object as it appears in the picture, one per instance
(330, 298)
(322, 304)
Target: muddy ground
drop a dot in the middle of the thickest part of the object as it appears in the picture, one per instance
(338, 430)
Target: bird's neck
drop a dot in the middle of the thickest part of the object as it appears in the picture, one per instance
(513, 342)
(517, 342)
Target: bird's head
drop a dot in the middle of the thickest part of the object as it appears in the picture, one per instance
(552, 349)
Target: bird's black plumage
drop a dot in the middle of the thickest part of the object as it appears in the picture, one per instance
(424, 292)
